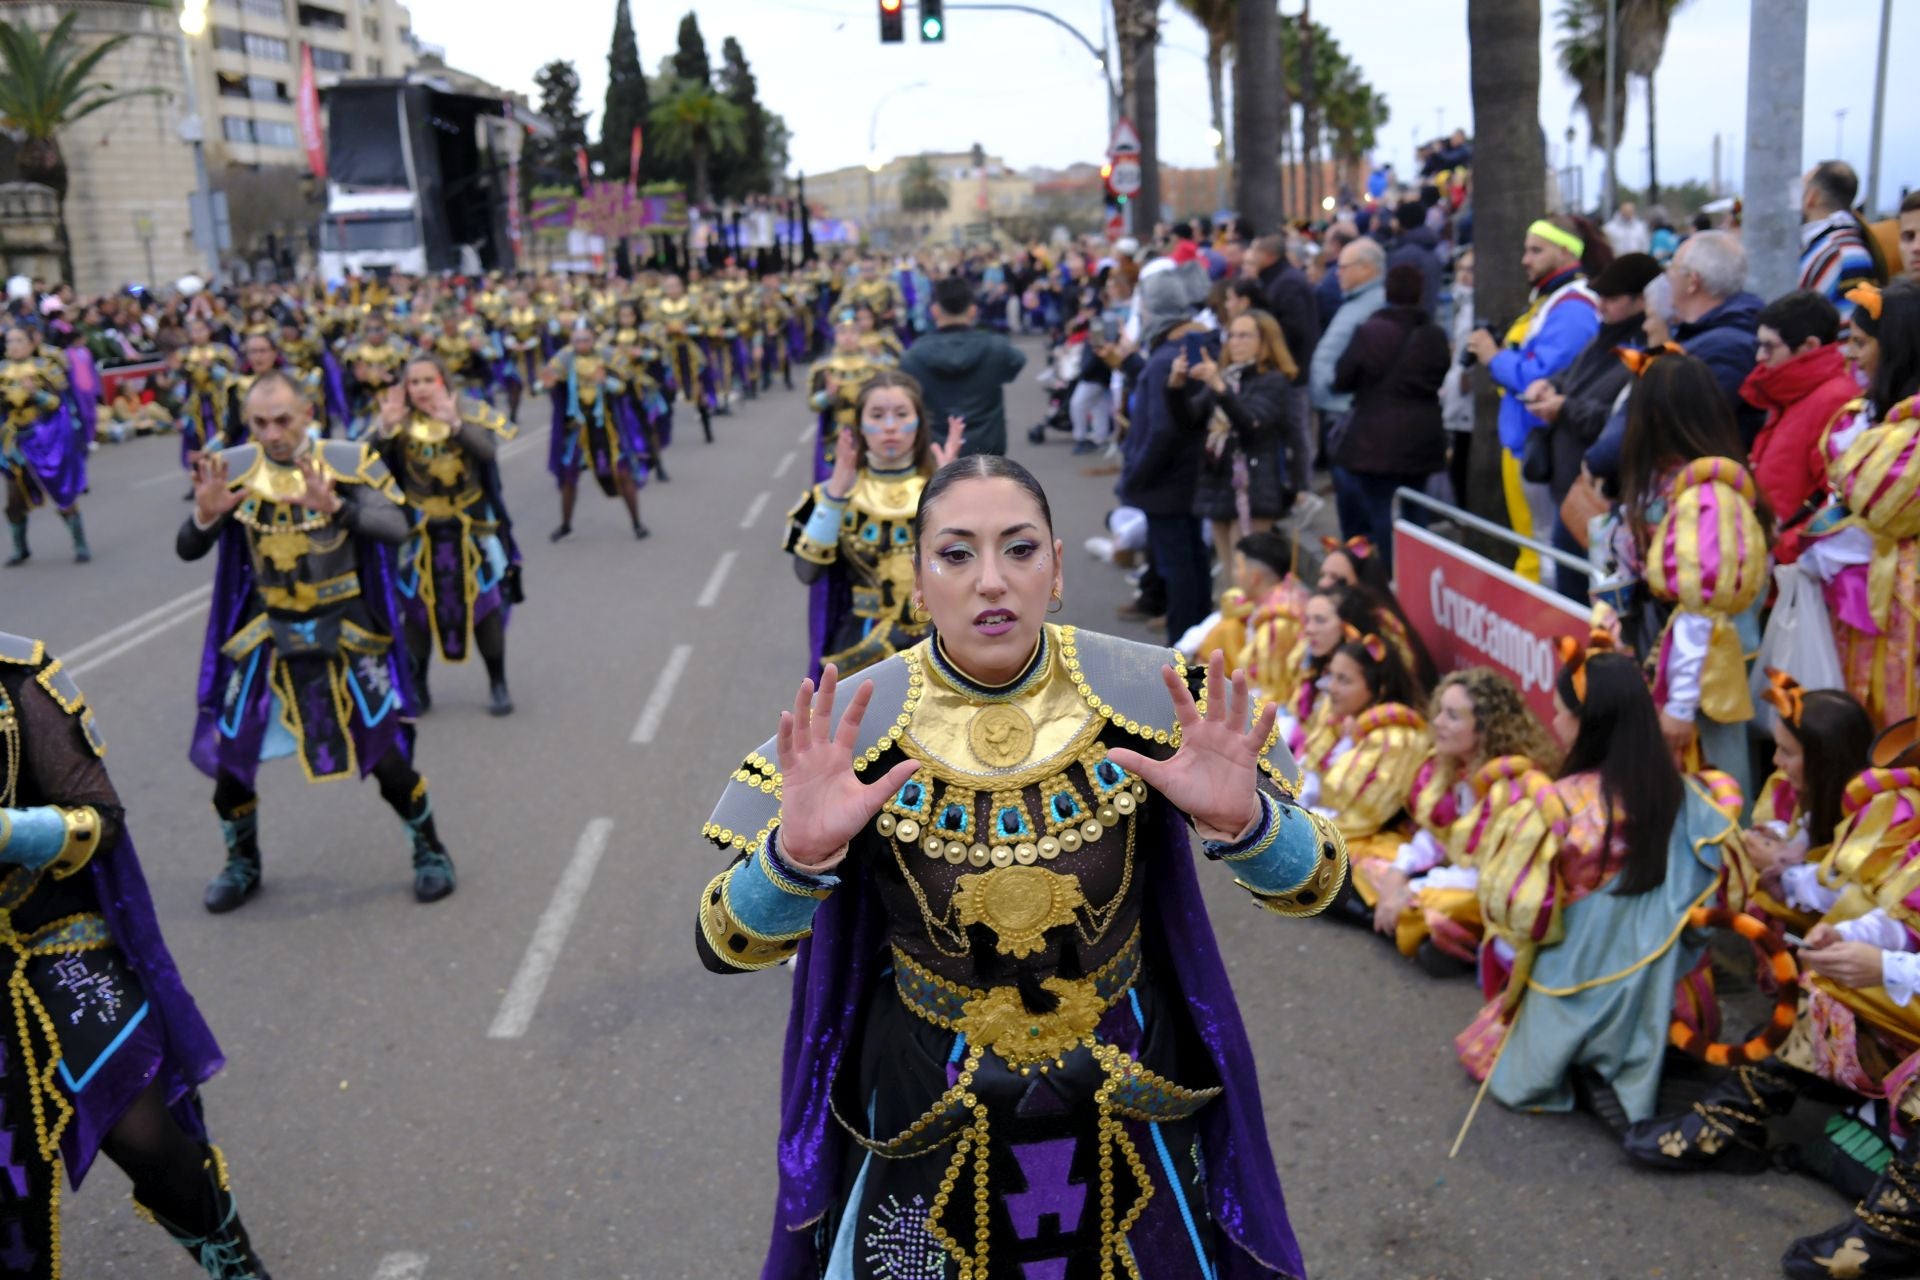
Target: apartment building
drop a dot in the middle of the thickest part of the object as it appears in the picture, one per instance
(247, 66)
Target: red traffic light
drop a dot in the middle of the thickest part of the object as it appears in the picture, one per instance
(890, 6)
(893, 22)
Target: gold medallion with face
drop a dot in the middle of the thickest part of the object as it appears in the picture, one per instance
(1001, 735)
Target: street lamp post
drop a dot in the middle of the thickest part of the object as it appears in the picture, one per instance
(873, 145)
(193, 23)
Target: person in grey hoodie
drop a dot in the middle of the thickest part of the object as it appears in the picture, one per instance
(1417, 246)
(962, 370)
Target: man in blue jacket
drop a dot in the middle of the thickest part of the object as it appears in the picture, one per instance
(1557, 325)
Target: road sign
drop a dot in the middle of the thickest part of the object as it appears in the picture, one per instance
(1126, 140)
(1116, 226)
(1125, 179)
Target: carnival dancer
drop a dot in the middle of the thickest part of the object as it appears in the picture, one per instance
(300, 656)
(772, 322)
(1696, 530)
(260, 355)
(1865, 545)
(636, 362)
(373, 364)
(304, 352)
(457, 576)
(104, 1049)
(1821, 740)
(851, 537)
(1856, 1028)
(690, 372)
(833, 388)
(205, 368)
(1006, 985)
(1426, 896)
(465, 350)
(1585, 888)
(42, 456)
(523, 346)
(593, 426)
(716, 334)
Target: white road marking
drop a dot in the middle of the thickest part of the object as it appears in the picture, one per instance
(99, 660)
(754, 509)
(514, 448)
(807, 433)
(190, 603)
(175, 476)
(401, 1266)
(716, 580)
(656, 709)
(786, 461)
(543, 953)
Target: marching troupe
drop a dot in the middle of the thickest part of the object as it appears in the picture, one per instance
(1012, 1047)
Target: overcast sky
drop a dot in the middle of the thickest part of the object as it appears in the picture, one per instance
(1029, 92)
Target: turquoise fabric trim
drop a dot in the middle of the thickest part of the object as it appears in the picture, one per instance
(1289, 860)
(1166, 1163)
(762, 905)
(34, 836)
(823, 526)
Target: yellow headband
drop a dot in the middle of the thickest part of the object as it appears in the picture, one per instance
(1572, 243)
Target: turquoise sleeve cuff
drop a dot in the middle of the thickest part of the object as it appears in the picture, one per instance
(823, 526)
(31, 838)
(773, 900)
(1279, 856)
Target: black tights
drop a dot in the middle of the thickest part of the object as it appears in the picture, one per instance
(489, 637)
(166, 1163)
(396, 775)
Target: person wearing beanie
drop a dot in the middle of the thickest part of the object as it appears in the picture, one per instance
(1576, 402)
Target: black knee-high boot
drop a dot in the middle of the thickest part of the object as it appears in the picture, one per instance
(203, 1218)
(1726, 1130)
(406, 791)
(239, 811)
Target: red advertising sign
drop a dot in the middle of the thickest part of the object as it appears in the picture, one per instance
(1473, 613)
(312, 136)
(634, 150)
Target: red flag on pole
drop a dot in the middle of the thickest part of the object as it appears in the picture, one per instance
(633, 158)
(580, 161)
(312, 137)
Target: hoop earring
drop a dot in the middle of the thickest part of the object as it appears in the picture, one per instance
(920, 615)
(1059, 603)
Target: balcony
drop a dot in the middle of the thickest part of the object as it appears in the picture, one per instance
(318, 18)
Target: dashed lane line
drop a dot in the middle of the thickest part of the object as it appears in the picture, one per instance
(401, 1266)
(543, 952)
(786, 462)
(717, 579)
(754, 509)
(657, 702)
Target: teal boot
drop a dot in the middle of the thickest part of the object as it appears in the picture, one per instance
(224, 1252)
(433, 877)
(81, 552)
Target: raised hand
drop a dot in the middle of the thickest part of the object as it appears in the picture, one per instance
(1214, 777)
(440, 405)
(319, 493)
(393, 409)
(823, 803)
(211, 496)
(956, 440)
(846, 469)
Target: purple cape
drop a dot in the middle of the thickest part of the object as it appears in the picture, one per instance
(56, 454)
(189, 1055)
(633, 442)
(232, 590)
(833, 971)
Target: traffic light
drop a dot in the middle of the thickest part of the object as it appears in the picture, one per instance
(933, 21)
(892, 20)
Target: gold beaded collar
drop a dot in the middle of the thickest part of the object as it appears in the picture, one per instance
(1011, 737)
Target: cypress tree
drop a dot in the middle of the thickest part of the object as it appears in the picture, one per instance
(627, 101)
(746, 173)
(690, 61)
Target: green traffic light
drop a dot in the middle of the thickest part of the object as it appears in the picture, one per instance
(930, 29)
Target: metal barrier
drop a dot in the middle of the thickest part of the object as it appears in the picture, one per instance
(1500, 533)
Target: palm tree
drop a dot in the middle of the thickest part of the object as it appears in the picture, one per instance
(695, 122)
(1643, 39)
(46, 85)
(1640, 44)
(1509, 187)
(1259, 107)
(1353, 112)
(1136, 26)
(1218, 19)
(921, 188)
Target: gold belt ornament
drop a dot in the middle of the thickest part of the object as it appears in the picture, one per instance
(435, 507)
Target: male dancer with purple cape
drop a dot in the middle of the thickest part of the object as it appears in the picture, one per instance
(300, 657)
(594, 428)
(102, 1049)
(42, 456)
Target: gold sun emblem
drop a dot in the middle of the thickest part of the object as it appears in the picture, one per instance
(1001, 735)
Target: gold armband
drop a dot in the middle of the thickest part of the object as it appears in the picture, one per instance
(83, 840)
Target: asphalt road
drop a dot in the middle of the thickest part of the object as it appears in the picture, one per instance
(536, 1077)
